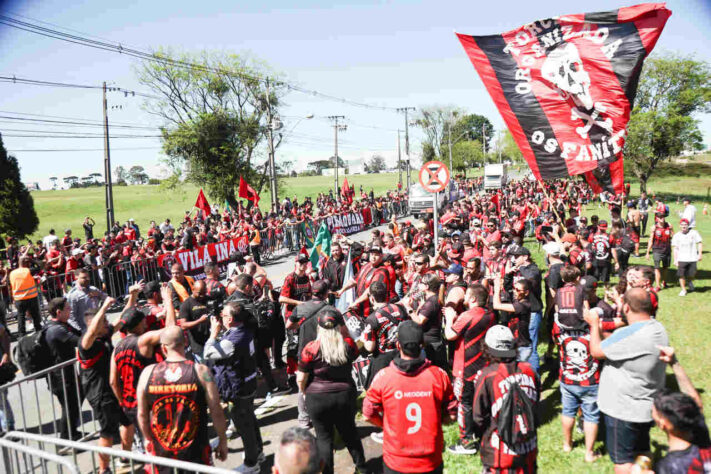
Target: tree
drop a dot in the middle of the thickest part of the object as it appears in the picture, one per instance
(466, 153)
(320, 165)
(509, 147)
(71, 181)
(121, 174)
(469, 127)
(215, 118)
(672, 90)
(138, 175)
(434, 121)
(376, 164)
(86, 180)
(95, 177)
(53, 180)
(17, 209)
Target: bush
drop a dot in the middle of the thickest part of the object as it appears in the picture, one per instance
(154, 181)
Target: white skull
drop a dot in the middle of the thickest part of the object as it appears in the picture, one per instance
(564, 69)
(577, 353)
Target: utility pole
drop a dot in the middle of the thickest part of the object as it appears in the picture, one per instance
(399, 160)
(336, 128)
(449, 142)
(483, 139)
(407, 144)
(272, 166)
(499, 147)
(107, 169)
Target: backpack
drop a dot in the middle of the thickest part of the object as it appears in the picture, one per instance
(265, 313)
(516, 422)
(666, 210)
(32, 353)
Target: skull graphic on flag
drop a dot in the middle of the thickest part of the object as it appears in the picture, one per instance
(565, 87)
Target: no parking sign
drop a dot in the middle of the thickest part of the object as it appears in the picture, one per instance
(434, 176)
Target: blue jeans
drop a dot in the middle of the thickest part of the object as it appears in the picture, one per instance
(533, 327)
(577, 396)
(524, 353)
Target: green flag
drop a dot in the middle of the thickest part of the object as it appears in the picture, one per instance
(307, 230)
(227, 206)
(322, 243)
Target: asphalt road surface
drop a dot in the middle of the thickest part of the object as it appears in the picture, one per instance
(32, 402)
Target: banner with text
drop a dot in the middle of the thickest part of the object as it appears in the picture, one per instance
(345, 224)
(194, 260)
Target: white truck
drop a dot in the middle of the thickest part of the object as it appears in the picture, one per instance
(421, 201)
(494, 176)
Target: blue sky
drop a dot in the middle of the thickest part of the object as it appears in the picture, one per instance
(394, 54)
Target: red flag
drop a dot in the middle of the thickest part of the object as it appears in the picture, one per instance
(247, 192)
(565, 87)
(202, 203)
(346, 191)
(495, 200)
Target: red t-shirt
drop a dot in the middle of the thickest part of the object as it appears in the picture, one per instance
(471, 326)
(411, 405)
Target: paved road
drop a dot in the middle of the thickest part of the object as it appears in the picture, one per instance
(275, 416)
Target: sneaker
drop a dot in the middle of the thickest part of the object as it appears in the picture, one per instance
(231, 431)
(377, 437)
(690, 286)
(682, 293)
(279, 391)
(468, 446)
(245, 469)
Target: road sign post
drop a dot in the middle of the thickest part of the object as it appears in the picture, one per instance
(434, 177)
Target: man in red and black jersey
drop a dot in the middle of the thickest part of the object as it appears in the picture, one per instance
(660, 245)
(494, 266)
(602, 252)
(131, 355)
(579, 373)
(411, 399)
(295, 290)
(467, 330)
(490, 387)
(642, 276)
(380, 331)
(371, 272)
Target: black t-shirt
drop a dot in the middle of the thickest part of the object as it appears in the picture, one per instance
(62, 340)
(88, 231)
(304, 314)
(95, 364)
(432, 328)
(192, 310)
(518, 322)
(553, 279)
(690, 460)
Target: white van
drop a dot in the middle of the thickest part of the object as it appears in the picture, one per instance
(494, 176)
(420, 201)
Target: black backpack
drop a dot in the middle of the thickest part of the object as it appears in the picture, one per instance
(32, 353)
(516, 422)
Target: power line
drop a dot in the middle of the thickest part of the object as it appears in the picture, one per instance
(80, 149)
(72, 118)
(104, 45)
(69, 85)
(14, 135)
(67, 122)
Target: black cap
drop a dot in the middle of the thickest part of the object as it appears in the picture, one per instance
(410, 337)
(329, 317)
(303, 258)
(521, 251)
(133, 318)
(375, 248)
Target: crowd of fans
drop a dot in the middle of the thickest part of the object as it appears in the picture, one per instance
(432, 333)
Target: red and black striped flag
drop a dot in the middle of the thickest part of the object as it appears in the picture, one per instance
(565, 87)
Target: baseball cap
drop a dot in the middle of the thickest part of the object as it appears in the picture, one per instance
(76, 252)
(410, 337)
(588, 282)
(133, 318)
(454, 268)
(302, 258)
(476, 222)
(500, 341)
(329, 319)
(521, 251)
(375, 248)
(602, 224)
(684, 221)
(553, 248)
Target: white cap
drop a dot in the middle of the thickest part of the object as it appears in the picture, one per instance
(553, 248)
(77, 252)
(500, 340)
(131, 220)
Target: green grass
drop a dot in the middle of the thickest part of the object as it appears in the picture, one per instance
(684, 318)
(67, 208)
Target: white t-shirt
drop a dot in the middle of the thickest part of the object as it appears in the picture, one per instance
(686, 245)
(689, 213)
(47, 241)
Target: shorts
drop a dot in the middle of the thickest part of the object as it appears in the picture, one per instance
(625, 440)
(109, 415)
(578, 396)
(686, 270)
(661, 260)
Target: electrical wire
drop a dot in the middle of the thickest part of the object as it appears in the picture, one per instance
(104, 45)
(82, 149)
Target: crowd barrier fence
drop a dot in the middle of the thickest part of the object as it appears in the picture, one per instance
(85, 455)
(19, 458)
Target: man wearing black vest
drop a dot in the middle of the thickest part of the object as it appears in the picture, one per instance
(236, 375)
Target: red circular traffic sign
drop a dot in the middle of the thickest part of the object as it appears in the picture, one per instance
(434, 176)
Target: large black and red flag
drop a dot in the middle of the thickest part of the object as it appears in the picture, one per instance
(565, 87)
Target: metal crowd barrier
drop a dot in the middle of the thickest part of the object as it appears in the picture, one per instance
(85, 456)
(118, 277)
(18, 458)
(47, 402)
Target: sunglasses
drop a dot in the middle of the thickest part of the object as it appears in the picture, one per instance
(420, 263)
